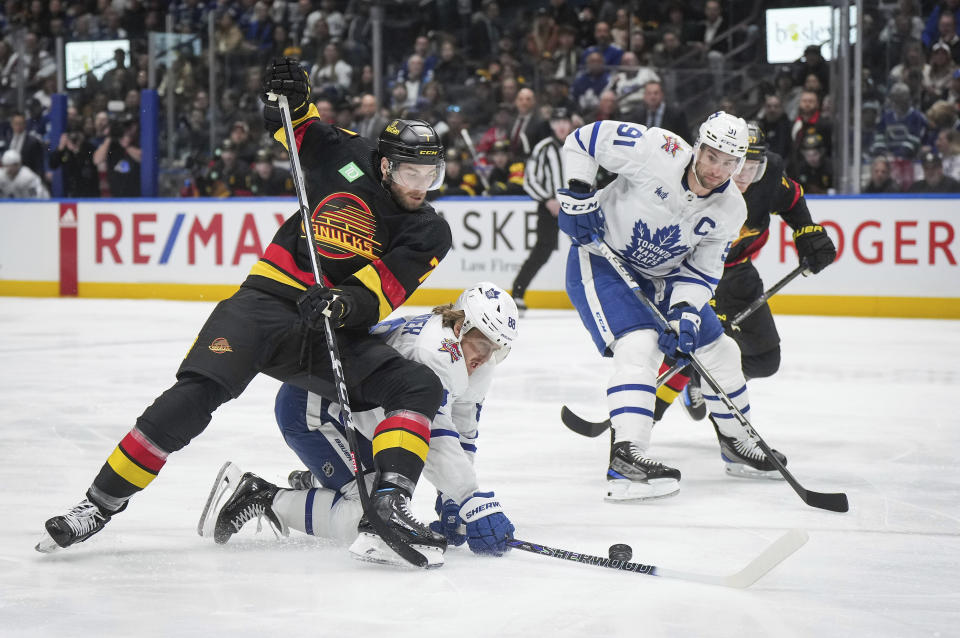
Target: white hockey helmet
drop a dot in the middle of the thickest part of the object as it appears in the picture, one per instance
(488, 308)
(725, 132)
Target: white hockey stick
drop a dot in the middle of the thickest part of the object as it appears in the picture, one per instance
(773, 555)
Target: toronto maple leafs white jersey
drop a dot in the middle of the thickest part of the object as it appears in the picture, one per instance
(652, 219)
(453, 433)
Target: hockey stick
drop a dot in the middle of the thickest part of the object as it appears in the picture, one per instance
(835, 502)
(596, 428)
(395, 543)
(773, 555)
(465, 134)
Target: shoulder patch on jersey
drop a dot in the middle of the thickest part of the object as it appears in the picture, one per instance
(452, 348)
(351, 172)
(648, 250)
(670, 145)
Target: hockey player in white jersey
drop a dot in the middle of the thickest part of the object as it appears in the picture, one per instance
(671, 215)
(462, 343)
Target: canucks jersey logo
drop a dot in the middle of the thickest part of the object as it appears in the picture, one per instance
(344, 226)
(649, 251)
(452, 348)
(670, 145)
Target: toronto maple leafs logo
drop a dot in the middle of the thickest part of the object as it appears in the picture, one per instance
(670, 145)
(649, 251)
(452, 348)
(492, 294)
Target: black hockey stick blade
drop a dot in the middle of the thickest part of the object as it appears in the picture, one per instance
(834, 502)
(582, 426)
(773, 555)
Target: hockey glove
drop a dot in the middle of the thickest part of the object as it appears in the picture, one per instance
(285, 76)
(580, 215)
(450, 523)
(488, 528)
(685, 334)
(320, 302)
(815, 247)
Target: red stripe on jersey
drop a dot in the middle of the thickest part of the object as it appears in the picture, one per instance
(406, 420)
(395, 292)
(144, 453)
(279, 257)
(301, 130)
(796, 192)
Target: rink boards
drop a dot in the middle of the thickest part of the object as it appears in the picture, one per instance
(897, 255)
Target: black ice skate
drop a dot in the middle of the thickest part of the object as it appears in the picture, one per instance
(633, 477)
(693, 398)
(393, 506)
(234, 499)
(743, 457)
(82, 521)
(301, 480)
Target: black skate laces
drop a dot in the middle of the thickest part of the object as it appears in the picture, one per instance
(82, 518)
(639, 458)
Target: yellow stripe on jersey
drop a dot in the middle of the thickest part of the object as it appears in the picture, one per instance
(128, 470)
(370, 278)
(264, 269)
(281, 135)
(401, 439)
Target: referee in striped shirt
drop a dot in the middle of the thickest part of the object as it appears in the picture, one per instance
(543, 175)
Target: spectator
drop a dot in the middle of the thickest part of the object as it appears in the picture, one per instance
(485, 31)
(457, 181)
(27, 145)
(936, 29)
(880, 179)
(870, 115)
(245, 147)
(953, 92)
(902, 128)
(606, 109)
(809, 121)
(226, 176)
(948, 35)
(913, 58)
(119, 77)
(566, 56)
(938, 74)
(813, 170)
(812, 62)
(563, 14)
(18, 181)
(934, 180)
(627, 83)
(499, 130)
(787, 91)
(775, 126)
(527, 129)
(325, 110)
(258, 30)
(268, 180)
(119, 156)
(654, 111)
(331, 71)
(590, 83)
(609, 52)
(421, 47)
(640, 47)
(450, 70)
(542, 38)
(413, 79)
(941, 116)
(667, 53)
(948, 146)
(74, 157)
(558, 95)
(370, 123)
(506, 172)
(677, 23)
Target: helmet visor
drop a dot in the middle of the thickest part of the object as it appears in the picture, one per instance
(418, 177)
(752, 171)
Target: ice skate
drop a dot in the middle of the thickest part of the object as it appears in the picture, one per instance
(301, 480)
(80, 523)
(634, 477)
(692, 398)
(234, 499)
(393, 506)
(743, 457)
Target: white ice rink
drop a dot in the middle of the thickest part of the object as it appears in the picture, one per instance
(863, 406)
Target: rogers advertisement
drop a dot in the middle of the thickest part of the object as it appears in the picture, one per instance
(888, 247)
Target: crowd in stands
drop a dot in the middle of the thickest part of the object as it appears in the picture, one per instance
(485, 73)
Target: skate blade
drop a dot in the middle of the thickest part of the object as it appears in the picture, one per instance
(223, 488)
(742, 470)
(47, 545)
(623, 490)
(370, 548)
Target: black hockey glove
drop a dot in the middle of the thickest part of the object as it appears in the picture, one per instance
(815, 247)
(285, 76)
(319, 303)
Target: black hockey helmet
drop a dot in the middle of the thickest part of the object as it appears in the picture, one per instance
(412, 142)
(756, 142)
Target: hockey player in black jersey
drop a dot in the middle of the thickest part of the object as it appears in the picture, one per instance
(377, 241)
(767, 191)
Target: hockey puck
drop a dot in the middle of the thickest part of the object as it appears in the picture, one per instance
(621, 552)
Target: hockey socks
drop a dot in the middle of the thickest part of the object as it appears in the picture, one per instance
(668, 392)
(400, 445)
(132, 466)
(320, 512)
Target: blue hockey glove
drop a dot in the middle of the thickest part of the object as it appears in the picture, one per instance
(488, 528)
(450, 523)
(685, 321)
(580, 215)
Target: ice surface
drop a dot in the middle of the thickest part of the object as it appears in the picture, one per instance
(864, 406)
